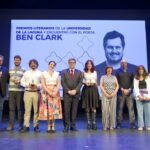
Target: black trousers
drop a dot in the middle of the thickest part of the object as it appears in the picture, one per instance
(70, 110)
(16, 100)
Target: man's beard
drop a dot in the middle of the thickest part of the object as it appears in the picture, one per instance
(33, 68)
(17, 65)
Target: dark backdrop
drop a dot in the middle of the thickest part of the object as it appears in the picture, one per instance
(75, 4)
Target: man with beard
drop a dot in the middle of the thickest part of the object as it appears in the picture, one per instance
(31, 80)
(15, 93)
(114, 44)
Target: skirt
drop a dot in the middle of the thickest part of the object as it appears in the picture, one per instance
(90, 97)
(50, 107)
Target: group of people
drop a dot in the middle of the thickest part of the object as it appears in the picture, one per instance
(31, 88)
(41, 90)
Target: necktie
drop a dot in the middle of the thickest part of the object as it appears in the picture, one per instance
(71, 74)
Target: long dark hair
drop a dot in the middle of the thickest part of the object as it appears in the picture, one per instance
(86, 64)
(137, 75)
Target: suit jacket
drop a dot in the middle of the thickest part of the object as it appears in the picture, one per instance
(100, 68)
(70, 84)
(4, 81)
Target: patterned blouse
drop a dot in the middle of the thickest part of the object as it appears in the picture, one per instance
(109, 83)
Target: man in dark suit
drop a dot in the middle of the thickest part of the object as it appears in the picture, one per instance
(3, 84)
(114, 44)
(71, 80)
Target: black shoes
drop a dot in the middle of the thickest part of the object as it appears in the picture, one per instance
(48, 131)
(133, 126)
(25, 129)
(73, 129)
(51, 131)
(94, 126)
(36, 129)
(20, 128)
(118, 125)
(88, 126)
(66, 129)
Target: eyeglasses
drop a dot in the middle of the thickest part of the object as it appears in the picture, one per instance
(72, 62)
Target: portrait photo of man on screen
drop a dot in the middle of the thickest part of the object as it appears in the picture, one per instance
(114, 45)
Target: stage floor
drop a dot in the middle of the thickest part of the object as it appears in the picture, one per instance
(119, 139)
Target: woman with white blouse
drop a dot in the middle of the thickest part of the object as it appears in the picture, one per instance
(50, 106)
(90, 95)
(142, 96)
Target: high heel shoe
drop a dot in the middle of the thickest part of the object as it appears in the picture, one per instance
(53, 129)
(49, 129)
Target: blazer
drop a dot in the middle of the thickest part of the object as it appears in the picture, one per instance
(70, 84)
(4, 81)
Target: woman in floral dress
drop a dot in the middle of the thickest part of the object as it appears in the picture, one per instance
(50, 105)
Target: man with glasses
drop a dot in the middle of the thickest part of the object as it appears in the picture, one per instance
(71, 80)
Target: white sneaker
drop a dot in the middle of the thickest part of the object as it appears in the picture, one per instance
(148, 128)
(111, 128)
(140, 129)
(105, 129)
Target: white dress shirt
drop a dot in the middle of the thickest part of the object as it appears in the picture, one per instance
(31, 77)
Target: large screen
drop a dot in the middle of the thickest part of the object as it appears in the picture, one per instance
(60, 40)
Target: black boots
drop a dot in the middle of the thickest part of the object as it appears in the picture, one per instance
(88, 116)
(94, 126)
(88, 120)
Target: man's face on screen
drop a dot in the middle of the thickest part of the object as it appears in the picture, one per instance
(114, 50)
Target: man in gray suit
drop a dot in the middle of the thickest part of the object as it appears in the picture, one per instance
(71, 80)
